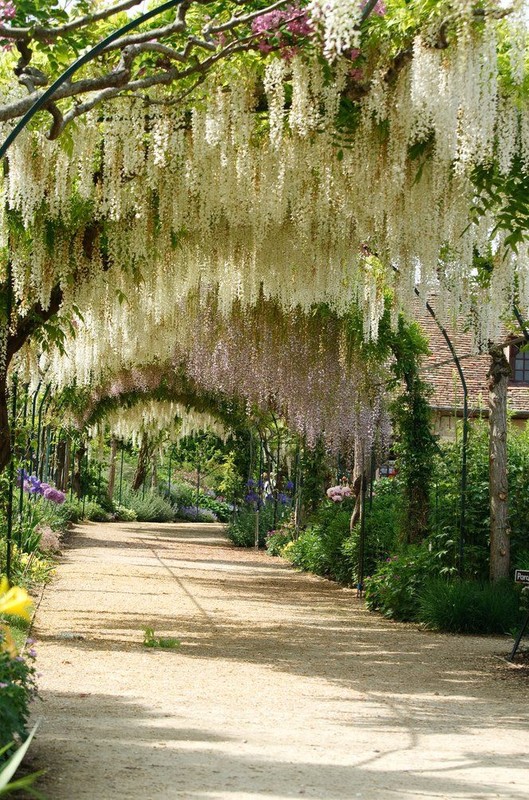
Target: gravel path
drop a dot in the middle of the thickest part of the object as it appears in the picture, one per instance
(283, 686)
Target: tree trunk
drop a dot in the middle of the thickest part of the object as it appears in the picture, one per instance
(143, 463)
(358, 474)
(498, 488)
(154, 473)
(76, 480)
(61, 469)
(112, 467)
(24, 328)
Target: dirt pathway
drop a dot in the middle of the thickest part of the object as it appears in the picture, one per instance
(283, 686)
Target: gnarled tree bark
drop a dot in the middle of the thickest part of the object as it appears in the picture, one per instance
(16, 339)
(144, 459)
(498, 376)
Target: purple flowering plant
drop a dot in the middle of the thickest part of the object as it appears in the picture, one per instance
(32, 485)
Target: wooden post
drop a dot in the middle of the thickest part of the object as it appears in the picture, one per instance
(112, 466)
(498, 376)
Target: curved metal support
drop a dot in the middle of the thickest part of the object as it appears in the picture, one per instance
(39, 427)
(521, 322)
(80, 62)
(11, 484)
(464, 455)
(95, 51)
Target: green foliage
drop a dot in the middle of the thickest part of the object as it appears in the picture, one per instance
(319, 548)
(276, 541)
(71, 511)
(446, 499)
(17, 688)
(94, 512)
(124, 514)
(315, 476)
(75, 510)
(506, 196)
(415, 443)
(312, 552)
(382, 529)
(221, 510)
(194, 514)
(27, 569)
(7, 786)
(95, 486)
(181, 494)
(469, 606)
(395, 586)
(230, 481)
(241, 531)
(201, 451)
(150, 507)
(164, 642)
(327, 547)
(183, 497)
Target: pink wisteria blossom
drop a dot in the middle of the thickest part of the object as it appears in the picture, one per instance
(7, 9)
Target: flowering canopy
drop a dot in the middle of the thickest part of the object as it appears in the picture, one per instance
(288, 180)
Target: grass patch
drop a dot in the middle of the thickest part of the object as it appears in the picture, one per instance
(164, 642)
(470, 607)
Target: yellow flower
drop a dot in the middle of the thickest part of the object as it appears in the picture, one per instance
(15, 601)
(7, 643)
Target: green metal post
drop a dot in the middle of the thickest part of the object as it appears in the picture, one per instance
(11, 480)
(169, 471)
(23, 464)
(33, 416)
(121, 472)
(72, 473)
(362, 547)
(38, 471)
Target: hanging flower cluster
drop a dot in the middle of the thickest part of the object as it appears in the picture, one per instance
(155, 417)
(170, 206)
(32, 485)
(338, 22)
(295, 363)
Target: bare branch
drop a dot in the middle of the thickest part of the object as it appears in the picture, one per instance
(84, 86)
(58, 120)
(164, 78)
(177, 26)
(241, 19)
(120, 79)
(40, 33)
(171, 53)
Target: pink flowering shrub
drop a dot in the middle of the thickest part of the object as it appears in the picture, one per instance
(339, 493)
(49, 541)
(282, 28)
(7, 9)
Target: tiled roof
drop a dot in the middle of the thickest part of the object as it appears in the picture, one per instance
(440, 371)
